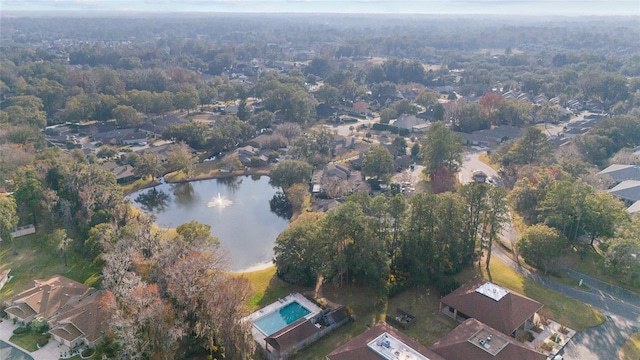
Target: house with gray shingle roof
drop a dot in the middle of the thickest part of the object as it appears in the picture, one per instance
(620, 172)
(628, 190)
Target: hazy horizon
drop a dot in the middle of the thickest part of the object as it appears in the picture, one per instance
(372, 7)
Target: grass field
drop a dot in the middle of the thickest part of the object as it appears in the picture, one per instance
(558, 307)
(38, 260)
(27, 341)
(631, 349)
(422, 303)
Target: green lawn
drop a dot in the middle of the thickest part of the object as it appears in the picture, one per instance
(267, 287)
(592, 264)
(38, 260)
(27, 341)
(558, 307)
(631, 349)
(422, 303)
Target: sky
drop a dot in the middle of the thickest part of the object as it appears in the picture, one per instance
(499, 7)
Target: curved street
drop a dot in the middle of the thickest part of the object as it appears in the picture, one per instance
(621, 307)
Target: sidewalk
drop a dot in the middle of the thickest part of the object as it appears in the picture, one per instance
(51, 351)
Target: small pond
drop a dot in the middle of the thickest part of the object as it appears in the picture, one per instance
(8, 352)
(236, 208)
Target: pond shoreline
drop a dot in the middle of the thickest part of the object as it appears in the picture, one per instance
(209, 176)
(236, 206)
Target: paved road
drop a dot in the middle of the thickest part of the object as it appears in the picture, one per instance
(621, 307)
(600, 342)
(470, 163)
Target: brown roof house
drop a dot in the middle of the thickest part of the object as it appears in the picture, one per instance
(72, 310)
(383, 341)
(493, 305)
(80, 321)
(475, 340)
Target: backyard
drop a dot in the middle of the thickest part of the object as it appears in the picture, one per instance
(38, 260)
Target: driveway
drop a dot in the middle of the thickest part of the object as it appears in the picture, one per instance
(470, 163)
(600, 342)
(51, 351)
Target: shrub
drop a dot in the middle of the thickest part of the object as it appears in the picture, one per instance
(546, 346)
(43, 340)
(20, 330)
(445, 285)
(87, 352)
(525, 336)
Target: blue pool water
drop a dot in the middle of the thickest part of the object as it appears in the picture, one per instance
(273, 322)
(8, 352)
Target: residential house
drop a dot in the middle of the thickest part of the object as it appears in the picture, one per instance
(628, 190)
(336, 180)
(474, 340)
(620, 172)
(80, 321)
(162, 151)
(259, 141)
(382, 341)
(408, 122)
(493, 305)
(158, 125)
(45, 298)
(115, 137)
(488, 137)
(123, 173)
(633, 209)
(246, 154)
(279, 340)
(136, 138)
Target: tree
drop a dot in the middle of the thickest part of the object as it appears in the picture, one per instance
(296, 255)
(327, 94)
(620, 258)
(181, 159)
(186, 99)
(400, 143)
(243, 111)
(541, 246)
(61, 242)
(127, 117)
(532, 147)
(427, 98)
(440, 148)
(603, 214)
(197, 235)
(29, 192)
(378, 163)
(289, 172)
(8, 219)
(149, 165)
(495, 216)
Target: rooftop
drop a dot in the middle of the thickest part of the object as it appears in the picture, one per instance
(493, 291)
(488, 341)
(391, 348)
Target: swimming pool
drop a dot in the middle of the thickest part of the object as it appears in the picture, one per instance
(8, 352)
(278, 319)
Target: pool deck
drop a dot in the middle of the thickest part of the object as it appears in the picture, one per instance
(51, 351)
(258, 335)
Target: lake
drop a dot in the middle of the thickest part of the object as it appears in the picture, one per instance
(236, 208)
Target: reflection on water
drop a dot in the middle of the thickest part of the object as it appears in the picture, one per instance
(231, 183)
(183, 193)
(245, 225)
(153, 200)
